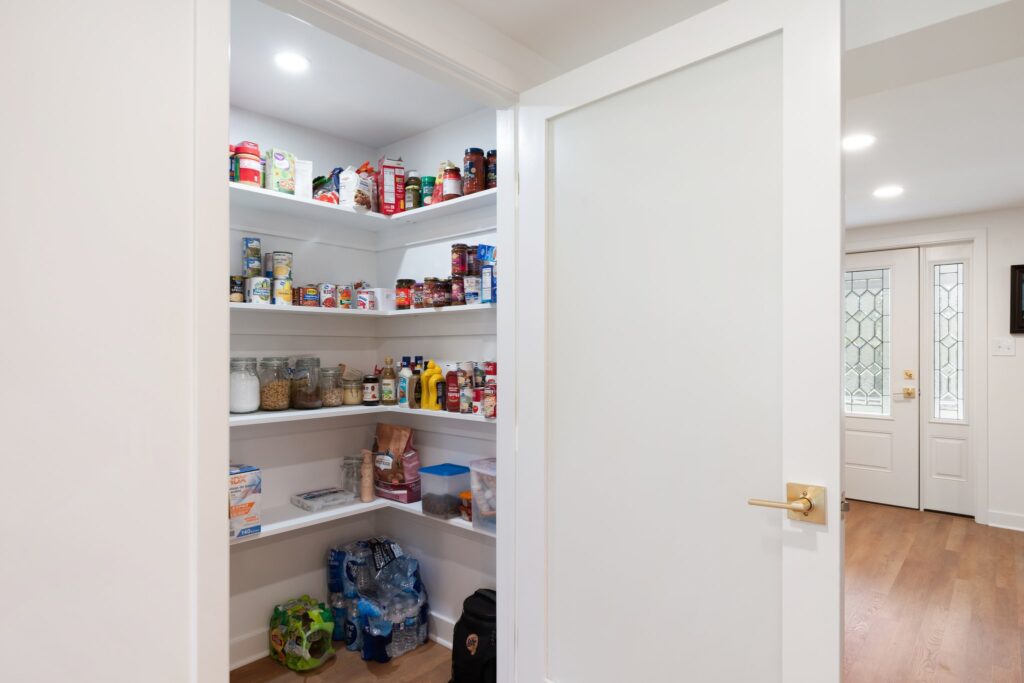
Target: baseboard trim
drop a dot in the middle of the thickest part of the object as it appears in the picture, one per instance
(249, 647)
(1006, 520)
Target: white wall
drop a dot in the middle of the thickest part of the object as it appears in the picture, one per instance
(323, 149)
(108, 321)
(1005, 239)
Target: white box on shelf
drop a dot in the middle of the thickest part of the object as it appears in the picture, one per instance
(303, 179)
(245, 486)
(385, 298)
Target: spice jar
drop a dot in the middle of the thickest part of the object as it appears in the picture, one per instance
(452, 185)
(458, 291)
(275, 387)
(352, 392)
(371, 390)
(427, 183)
(403, 294)
(418, 296)
(306, 384)
(492, 168)
(413, 191)
(474, 171)
(460, 259)
(331, 392)
(244, 394)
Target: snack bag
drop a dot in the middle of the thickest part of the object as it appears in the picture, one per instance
(300, 633)
(355, 190)
(396, 464)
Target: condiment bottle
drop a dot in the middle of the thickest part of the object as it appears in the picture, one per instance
(389, 383)
(492, 168)
(415, 390)
(452, 393)
(366, 493)
(403, 382)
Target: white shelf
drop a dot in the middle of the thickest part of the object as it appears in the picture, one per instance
(292, 415)
(311, 310)
(286, 518)
(278, 213)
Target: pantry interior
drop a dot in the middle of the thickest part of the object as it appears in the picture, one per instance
(350, 106)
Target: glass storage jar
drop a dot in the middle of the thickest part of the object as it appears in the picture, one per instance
(460, 259)
(244, 394)
(352, 392)
(306, 384)
(451, 183)
(275, 387)
(331, 392)
(403, 294)
(474, 171)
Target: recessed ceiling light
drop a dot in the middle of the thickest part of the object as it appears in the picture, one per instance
(888, 191)
(291, 62)
(858, 141)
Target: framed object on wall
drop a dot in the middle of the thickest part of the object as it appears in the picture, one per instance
(1017, 299)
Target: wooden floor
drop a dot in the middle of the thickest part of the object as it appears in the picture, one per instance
(430, 663)
(931, 597)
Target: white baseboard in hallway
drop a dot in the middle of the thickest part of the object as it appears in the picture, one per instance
(1006, 520)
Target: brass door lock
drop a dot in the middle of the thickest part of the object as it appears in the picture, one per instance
(909, 392)
(805, 503)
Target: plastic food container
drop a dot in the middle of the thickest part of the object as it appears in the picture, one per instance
(484, 484)
(441, 486)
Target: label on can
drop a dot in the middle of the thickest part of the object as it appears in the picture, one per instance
(251, 247)
(328, 294)
(282, 292)
(252, 266)
(491, 401)
(478, 400)
(367, 300)
(309, 295)
(344, 296)
(466, 400)
(257, 290)
(282, 265)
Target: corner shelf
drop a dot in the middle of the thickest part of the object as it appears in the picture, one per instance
(311, 310)
(292, 415)
(286, 518)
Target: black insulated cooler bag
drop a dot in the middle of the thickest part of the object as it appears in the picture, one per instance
(475, 642)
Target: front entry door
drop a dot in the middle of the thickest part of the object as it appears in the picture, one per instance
(881, 382)
(677, 272)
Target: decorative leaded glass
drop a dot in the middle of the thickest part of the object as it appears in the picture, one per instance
(949, 387)
(867, 343)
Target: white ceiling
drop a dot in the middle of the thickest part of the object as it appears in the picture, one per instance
(341, 92)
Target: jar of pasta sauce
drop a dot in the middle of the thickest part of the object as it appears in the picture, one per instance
(403, 294)
(452, 184)
(492, 168)
(418, 296)
(460, 259)
(474, 171)
(458, 291)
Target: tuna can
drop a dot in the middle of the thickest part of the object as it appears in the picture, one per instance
(367, 300)
(257, 290)
(282, 265)
(328, 295)
(344, 296)
(237, 294)
(309, 296)
(282, 292)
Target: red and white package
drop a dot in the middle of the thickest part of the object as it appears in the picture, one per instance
(390, 186)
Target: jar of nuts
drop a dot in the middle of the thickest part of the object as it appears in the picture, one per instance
(275, 387)
(330, 387)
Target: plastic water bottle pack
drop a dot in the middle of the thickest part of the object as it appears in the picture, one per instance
(377, 597)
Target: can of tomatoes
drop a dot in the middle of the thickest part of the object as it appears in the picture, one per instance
(328, 295)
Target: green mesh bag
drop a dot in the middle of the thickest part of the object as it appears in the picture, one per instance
(300, 633)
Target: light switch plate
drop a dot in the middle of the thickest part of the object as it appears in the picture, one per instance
(1004, 346)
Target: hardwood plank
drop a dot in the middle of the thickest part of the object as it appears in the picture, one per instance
(430, 663)
(931, 597)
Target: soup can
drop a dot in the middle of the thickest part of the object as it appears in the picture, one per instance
(282, 265)
(309, 296)
(257, 290)
(344, 294)
(282, 292)
(328, 295)
(367, 300)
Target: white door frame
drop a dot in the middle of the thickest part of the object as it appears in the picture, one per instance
(812, 344)
(977, 354)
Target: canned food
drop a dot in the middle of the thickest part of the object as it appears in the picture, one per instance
(367, 300)
(252, 266)
(478, 400)
(418, 296)
(257, 290)
(468, 367)
(237, 291)
(282, 265)
(328, 295)
(268, 264)
(251, 247)
(491, 401)
(344, 296)
(281, 292)
(309, 296)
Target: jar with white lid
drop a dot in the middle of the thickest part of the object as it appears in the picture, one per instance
(244, 393)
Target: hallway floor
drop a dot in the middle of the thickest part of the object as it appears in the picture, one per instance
(931, 597)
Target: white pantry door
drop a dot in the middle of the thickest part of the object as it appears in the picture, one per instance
(677, 277)
(880, 349)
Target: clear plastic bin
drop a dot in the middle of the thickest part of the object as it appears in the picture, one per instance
(441, 485)
(484, 484)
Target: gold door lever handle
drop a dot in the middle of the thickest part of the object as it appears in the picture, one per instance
(804, 502)
(799, 505)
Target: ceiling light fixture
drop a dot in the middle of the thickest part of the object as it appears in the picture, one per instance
(858, 141)
(291, 62)
(888, 191)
